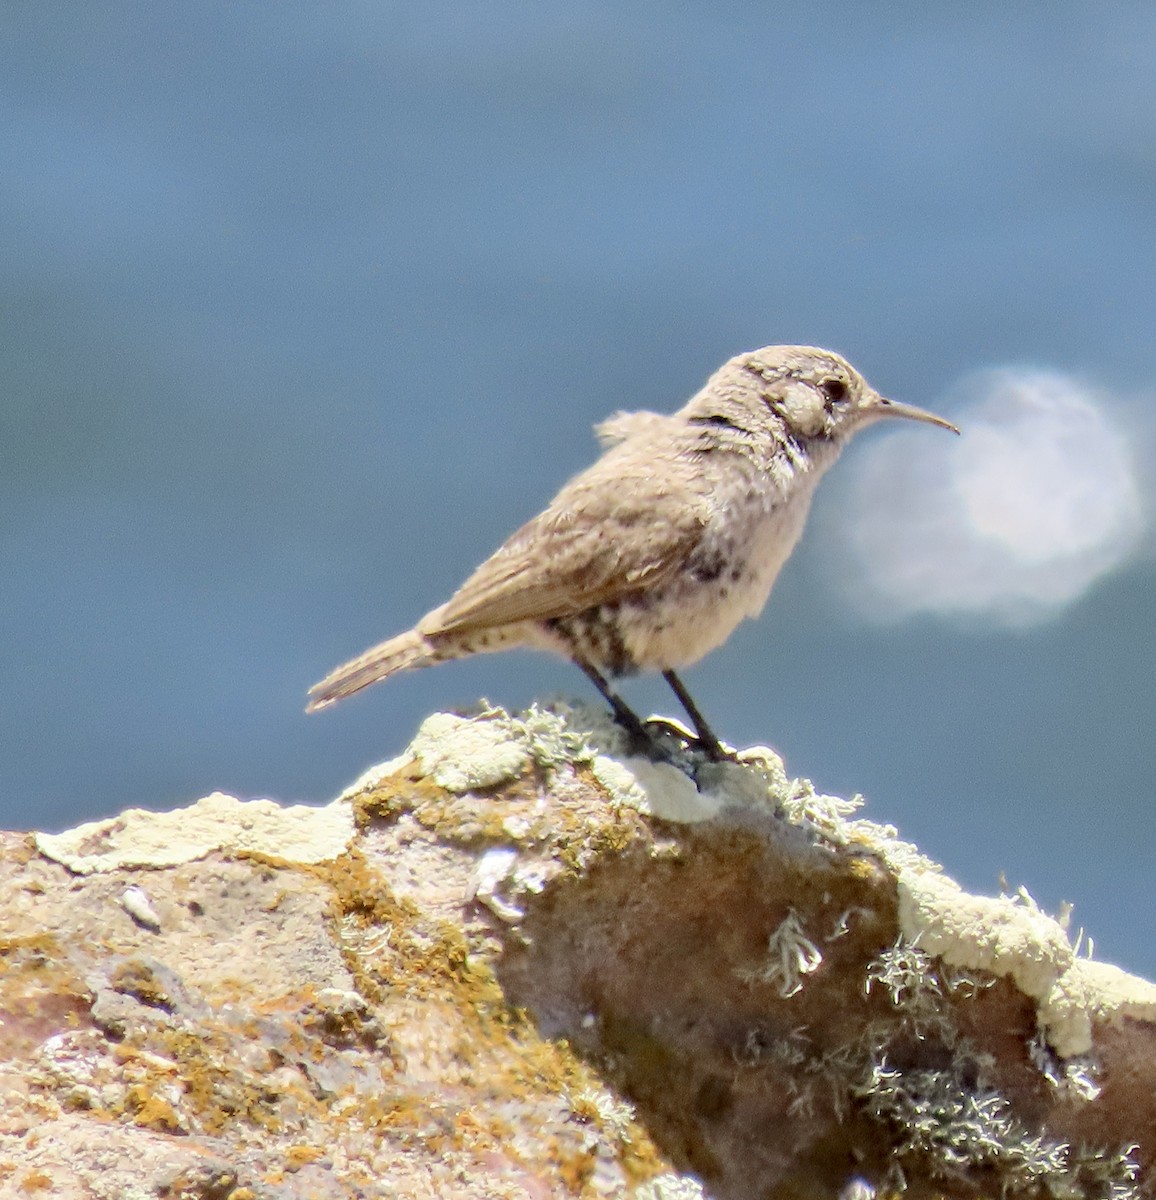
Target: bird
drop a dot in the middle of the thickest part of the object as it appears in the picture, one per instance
(649, 558)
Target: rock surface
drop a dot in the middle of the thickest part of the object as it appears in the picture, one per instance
(516, 963)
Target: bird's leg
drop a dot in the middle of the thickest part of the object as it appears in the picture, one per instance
(707, 740)
(623, 713)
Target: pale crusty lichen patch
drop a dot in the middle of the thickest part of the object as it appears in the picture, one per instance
(1092, 992)
(982, 932)
(1012, 936)
(481, 750)
(138, 838)
(465, 754)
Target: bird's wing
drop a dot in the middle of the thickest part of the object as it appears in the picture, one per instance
(615, 530)
(616, 429)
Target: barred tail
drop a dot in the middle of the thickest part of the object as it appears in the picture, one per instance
(401, 653)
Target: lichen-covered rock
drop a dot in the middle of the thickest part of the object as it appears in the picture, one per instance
(515, 962)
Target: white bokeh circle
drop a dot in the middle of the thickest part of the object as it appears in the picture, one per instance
(1014, 520)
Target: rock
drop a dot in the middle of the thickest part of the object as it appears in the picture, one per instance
(514, 962)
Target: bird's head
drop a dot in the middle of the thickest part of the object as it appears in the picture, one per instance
(818, 394)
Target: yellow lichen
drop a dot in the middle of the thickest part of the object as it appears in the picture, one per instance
(149, 1111)
(28, 952)
(297, 1157)
(398, 956)
(393, 795)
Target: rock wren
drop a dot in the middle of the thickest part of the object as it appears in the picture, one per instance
(649, 558)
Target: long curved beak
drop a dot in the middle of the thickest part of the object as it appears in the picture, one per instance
(892, 408)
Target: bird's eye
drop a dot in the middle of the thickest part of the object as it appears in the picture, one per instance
(835, 390)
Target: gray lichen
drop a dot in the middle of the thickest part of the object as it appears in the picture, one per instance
(954, 1130)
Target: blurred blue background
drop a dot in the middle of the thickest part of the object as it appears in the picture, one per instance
(304, 307)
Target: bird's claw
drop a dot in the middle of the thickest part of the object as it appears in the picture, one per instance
(711, 748)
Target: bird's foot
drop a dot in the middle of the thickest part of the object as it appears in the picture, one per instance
(658, 739)
(661, 738)
(704, 736)
(710, 747)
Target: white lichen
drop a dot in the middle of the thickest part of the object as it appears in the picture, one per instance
(669, 1186)
(908, 976)
(1090, 992)
(464, 754)
(1074, 1079)
(790, 956)
(983, 933)
(374, 776)
(803, 805)
(614, 1116)
(138, 838)
(953, 1128)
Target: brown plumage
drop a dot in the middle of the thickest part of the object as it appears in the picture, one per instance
(650, 557)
